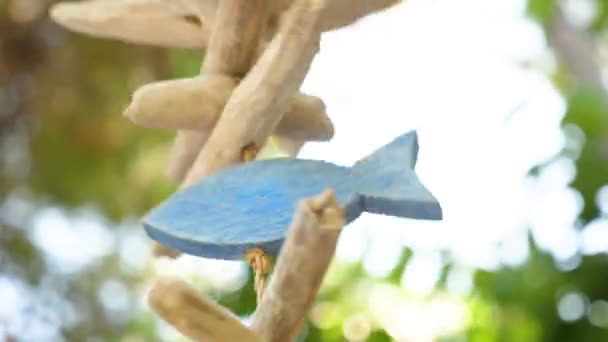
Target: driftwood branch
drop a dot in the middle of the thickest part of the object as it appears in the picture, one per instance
(196, 316)
(340, 13)
(260, 100)
(150, 22)
(306, 120)
(188, 23)
(302, 263)
(197, 104)
(237, 30)
(184, 23)
(187, 103)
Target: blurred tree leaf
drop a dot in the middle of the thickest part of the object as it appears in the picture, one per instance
(397, 273)
(542, 10)
(82, 136)
(601, 19)
(185, 62)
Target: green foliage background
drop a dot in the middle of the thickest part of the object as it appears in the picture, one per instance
(64, 144)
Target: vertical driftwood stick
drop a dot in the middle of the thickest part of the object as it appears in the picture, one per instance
(262, 98)
(232, 48)
(302, 263)
(236, 32)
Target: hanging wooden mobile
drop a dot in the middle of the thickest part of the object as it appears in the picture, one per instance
(258, 53)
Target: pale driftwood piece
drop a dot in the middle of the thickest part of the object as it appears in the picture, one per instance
(204, 9)
(183, 153)
(302, 263)
(305, 120)
(196, 316)
(340, 13)
(182, 23)
(188, 103)
(259, 102)
(151, 22)
(197, 103)
(237, 31)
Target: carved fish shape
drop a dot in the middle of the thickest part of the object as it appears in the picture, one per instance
(251, 205)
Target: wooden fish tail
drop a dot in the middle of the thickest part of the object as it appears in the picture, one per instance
(385, 183)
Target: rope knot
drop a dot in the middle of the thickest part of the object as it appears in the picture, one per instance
(261, 265)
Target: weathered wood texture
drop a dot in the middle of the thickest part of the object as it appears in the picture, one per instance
(197, 104)
(188, 103)
(340, 13)
(234, 40)
(196, 316)
(184, 23)
(150, 22)
(293, 286)
(188, 23)
(262, 98)
(250, 205)
(237, 29)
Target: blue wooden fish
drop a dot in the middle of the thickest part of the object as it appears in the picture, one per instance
(251, 205)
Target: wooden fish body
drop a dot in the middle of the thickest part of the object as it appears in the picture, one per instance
(251, 205)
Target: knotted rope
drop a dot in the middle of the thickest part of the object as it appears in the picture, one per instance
(261, 265)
